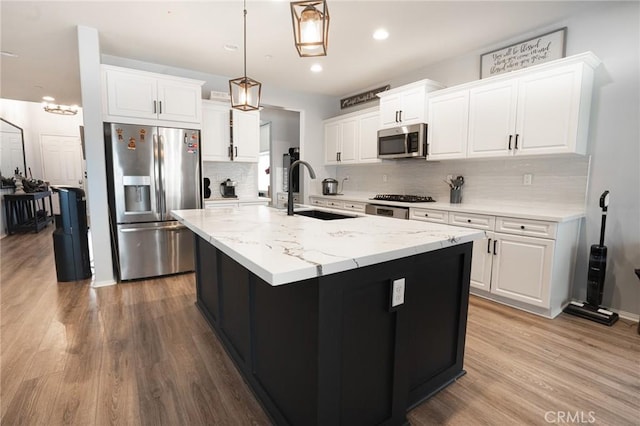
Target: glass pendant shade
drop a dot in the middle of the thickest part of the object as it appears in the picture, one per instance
(310, 27)
(245, 93)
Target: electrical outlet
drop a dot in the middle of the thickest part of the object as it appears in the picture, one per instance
(527, 179)
(397, 295)
(385, 178)
(346, 177)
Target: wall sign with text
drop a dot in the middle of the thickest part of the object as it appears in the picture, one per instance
(360, 98)
(543, 48)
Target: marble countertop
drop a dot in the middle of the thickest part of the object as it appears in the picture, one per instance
(281, 249)
(536, 211)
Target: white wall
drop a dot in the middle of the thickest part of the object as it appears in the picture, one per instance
(612, 33)
(35, 121)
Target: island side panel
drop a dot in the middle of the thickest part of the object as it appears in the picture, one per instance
(285, 347)
(235, 307)
(207, 289)
(437, 306)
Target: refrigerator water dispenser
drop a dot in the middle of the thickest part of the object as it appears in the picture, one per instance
(137, 194)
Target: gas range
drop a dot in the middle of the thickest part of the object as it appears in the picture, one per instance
(404, 198)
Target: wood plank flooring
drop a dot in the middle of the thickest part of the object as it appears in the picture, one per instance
(141, 354)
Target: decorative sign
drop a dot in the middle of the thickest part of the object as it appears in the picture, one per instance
(537, 50)
(361, 98)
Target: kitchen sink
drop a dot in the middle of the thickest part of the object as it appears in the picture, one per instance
(323, 215)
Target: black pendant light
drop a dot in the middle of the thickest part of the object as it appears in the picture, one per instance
(310, 27)
(245, 92)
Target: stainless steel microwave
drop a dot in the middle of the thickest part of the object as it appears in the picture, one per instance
(403, 142)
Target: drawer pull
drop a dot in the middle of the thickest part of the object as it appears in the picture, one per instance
(426, 215)
(468, 220)
(521, 226)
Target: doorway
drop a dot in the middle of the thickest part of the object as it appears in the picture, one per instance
(62, 163)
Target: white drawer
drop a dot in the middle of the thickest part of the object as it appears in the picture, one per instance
(427, 215)
(532, 228)
(355, 206)
(335, 204)
(318, 202)
(472, 220)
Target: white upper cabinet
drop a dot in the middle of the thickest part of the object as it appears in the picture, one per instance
(492, 119)
(405, 104)
(447, 138)
(352, 138)
(218, 121)
(132, 96)
(341, 141)
(540, 110)
(246, 136)
(368, 137)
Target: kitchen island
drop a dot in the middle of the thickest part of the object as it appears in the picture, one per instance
(350, 321)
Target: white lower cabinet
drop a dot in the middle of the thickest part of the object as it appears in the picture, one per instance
(524, 263)
(342, 204)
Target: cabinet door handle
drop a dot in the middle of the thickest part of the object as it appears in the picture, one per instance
(396, 116)
(489, 246)
(236, 151)
(339, 156)
(160, 103)
(494, 247)
(155, 110)
(517, 141)
(230, 152)
(510, 137)
(400, 116)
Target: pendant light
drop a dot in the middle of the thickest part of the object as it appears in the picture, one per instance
(310, 27)
(245, 92)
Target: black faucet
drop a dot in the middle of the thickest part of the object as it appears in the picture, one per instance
(312, 174)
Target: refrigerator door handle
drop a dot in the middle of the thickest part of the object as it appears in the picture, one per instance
(156, 172)
(163, 194)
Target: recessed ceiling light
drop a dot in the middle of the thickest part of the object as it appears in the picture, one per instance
(230, 47)
(381, 34)
(48, 98)
(9, 54)
(316, 68)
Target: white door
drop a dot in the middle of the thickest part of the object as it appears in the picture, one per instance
(413, 103)
(368, 138)
(522, 269)
(246, 136)
(331, 142)
(61, 162)
(481, 262)
(448, 124)
(349, 141)
(548, 110)
(215, 138)
(492, 119)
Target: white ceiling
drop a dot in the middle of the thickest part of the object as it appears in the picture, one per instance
(191, 35)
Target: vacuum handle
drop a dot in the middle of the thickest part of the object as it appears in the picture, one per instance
(604, 204)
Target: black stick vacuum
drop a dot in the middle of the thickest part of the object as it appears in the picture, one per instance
(591, 309)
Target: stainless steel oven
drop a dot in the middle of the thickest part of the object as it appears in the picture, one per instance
(388, 211)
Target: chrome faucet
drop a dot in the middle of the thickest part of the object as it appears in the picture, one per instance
(312, 175)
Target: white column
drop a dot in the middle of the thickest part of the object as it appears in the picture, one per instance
(89, 59)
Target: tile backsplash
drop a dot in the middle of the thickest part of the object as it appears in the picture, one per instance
(554, 180)
(245, 174)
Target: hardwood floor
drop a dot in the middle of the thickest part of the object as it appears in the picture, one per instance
(140, 353)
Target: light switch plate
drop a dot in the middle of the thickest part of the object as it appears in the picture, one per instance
(397, 293)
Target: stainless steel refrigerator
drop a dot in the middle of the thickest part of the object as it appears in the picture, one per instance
(151, 171)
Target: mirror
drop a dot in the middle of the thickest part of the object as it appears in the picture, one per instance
(11, 150)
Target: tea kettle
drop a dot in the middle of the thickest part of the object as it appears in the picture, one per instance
(329, 187)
